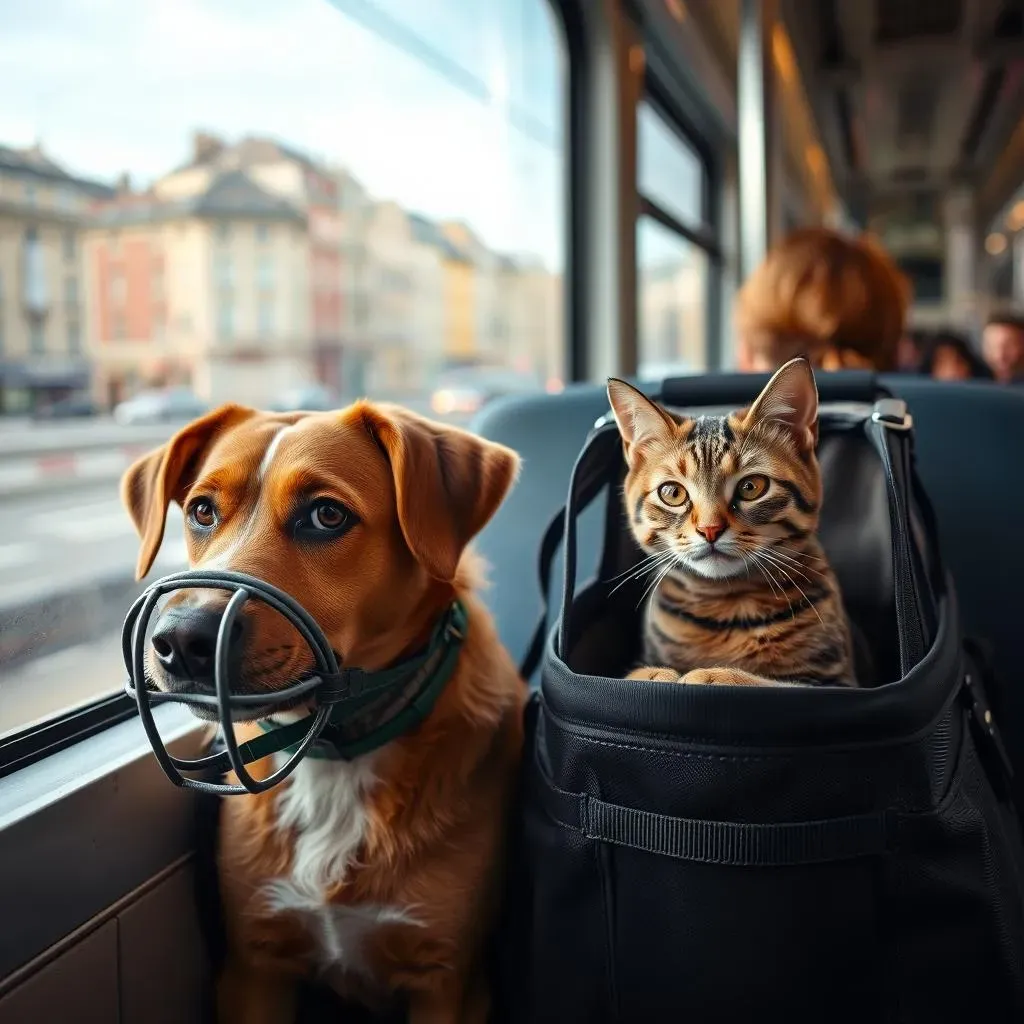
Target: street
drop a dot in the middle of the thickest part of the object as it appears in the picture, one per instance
(50, 544)
(58, 682)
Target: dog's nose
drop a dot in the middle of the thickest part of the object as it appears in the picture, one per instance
(185, 641)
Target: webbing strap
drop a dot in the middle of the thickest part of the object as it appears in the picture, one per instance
(590, 478)
(738, 844)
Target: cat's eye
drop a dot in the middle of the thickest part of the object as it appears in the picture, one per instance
(750, 488)
(672, 494)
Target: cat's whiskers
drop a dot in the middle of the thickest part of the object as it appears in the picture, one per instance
(772, 582)
(646, 561)
(782, 552)
(657, 582)
(652, 564)
(777, 561)
(810, 603)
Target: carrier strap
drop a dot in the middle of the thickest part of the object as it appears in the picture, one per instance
(890, 429)
(738, 844)
(593, 479)
(548, 548)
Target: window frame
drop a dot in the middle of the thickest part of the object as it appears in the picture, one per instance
(36, 742)
(707, 234)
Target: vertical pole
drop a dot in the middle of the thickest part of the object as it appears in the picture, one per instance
(756, 134)
(615, 78)
(961, 255)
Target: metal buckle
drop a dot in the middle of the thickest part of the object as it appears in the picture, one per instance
(892, 413)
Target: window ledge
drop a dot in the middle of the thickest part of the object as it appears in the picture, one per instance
(85, 826)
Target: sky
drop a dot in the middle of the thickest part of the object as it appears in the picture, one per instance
(119, 85)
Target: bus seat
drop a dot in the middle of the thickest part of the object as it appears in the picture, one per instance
(548, 431)
(965, 434)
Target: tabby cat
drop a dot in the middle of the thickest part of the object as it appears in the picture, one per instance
(726, 510)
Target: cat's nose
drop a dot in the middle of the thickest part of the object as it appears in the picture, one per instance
(711, 532)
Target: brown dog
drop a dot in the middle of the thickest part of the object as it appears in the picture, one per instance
(380, 873)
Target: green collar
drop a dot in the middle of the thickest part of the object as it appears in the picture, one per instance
(369, 709)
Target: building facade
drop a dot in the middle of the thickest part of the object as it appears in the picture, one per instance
(310, 187)
(42, 323)
(209, 290)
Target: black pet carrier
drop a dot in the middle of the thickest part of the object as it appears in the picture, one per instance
(716, 853)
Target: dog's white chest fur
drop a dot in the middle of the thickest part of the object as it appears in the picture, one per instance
(323, 806)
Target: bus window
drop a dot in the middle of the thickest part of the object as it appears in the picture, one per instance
(672, 269)
(285, 205)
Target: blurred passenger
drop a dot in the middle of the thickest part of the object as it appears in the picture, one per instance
(910, 349)
(949, 356)
(840, 301)
(1002, 343)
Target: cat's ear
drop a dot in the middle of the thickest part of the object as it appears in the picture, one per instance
(636, 415)
(790, 398)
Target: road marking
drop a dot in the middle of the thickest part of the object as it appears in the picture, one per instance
(13, 555)
(104, 506)
(69, 527)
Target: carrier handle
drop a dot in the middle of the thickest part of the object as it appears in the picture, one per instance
(737, 388)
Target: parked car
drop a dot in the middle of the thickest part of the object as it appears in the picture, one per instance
(307, 398)
(69, 407)
(160, 407)
(465, 390)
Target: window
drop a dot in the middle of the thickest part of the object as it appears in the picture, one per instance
(69, 244)
(74, 337)
(672, 283)
(30, 193)
(265, 326)
(669, 172)
(225, 320)
(224, 269)
(71, 291)
(672, 250)
(455, 121)
(265, 272)
(36, 337)
(118, 289)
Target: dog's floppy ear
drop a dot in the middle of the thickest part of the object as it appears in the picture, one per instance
(151, 483)
(448, 483)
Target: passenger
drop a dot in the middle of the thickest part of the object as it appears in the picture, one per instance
(840, 301)
(909, 350)
(1002, 343)
(949, 356)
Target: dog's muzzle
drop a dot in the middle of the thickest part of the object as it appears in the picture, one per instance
(223, 701)
(355, 711)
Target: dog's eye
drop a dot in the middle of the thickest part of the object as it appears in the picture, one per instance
(327, 516)
(202, 513)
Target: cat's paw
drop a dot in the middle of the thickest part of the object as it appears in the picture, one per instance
(722, 677)
(702, 677)
(655, 675)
